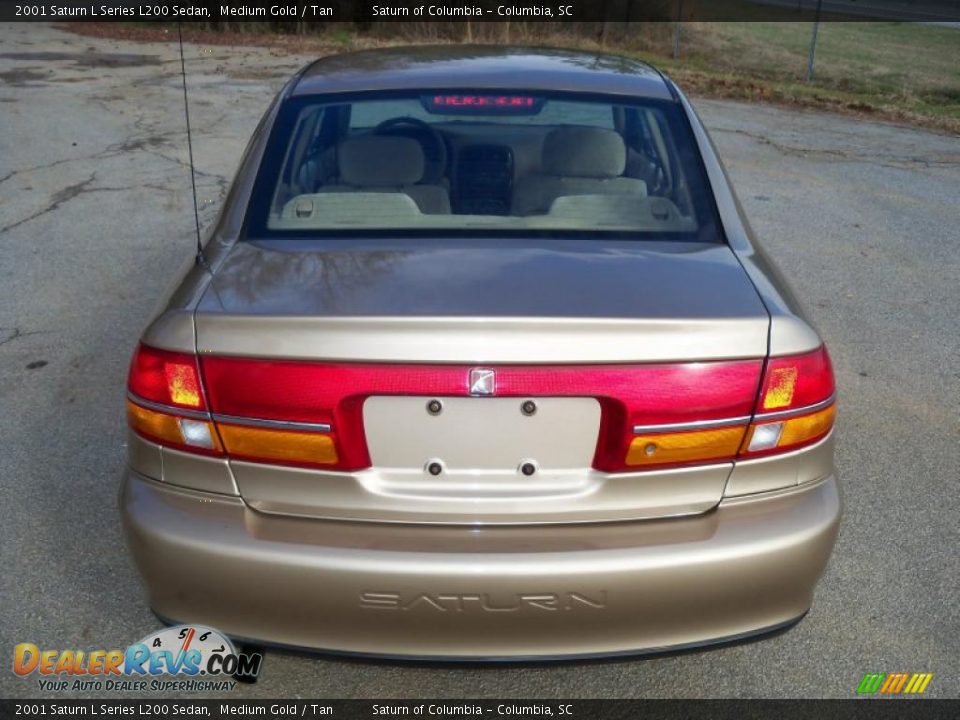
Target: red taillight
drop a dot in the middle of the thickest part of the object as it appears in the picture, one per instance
(796, 381)
(661, 416)
(165, 403)
(165, 377)
(311, 414)
(631, 396)
(795, 407)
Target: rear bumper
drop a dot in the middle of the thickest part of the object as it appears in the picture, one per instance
(748, 566)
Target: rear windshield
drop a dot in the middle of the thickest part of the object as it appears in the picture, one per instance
(479, 163)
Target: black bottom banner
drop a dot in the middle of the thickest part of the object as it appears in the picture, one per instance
(454, 709)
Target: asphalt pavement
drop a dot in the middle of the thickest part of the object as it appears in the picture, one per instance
(96, 222)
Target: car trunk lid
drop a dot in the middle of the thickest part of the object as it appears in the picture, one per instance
(562, 324)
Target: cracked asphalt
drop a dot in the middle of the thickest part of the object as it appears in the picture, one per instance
(96, 222)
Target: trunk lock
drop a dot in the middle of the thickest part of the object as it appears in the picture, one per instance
(528, 468)
(528, 408)
(434, 467)
(434, 407)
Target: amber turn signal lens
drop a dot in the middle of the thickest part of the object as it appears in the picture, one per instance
(793, 431)
(169, 429)
(685, 447)
(807, 427)
(284, 446)
(158, 426)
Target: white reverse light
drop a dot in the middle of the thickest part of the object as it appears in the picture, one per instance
(765, 437)
(196, 433)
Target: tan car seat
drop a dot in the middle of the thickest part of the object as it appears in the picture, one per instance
(384, 163)
(576, 161)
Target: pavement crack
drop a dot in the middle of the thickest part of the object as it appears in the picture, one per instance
(891, 160)
(18, 333)
(63, 196)
(130, 144)
(45, 166)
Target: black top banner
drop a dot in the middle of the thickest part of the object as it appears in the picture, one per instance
(484, 10)
(457, 709)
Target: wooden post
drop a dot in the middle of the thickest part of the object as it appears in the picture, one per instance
(813, 42)
(676, 34)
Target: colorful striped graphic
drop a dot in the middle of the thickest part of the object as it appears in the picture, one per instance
(894, 683)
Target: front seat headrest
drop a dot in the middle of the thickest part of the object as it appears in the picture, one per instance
(585, 152)
(380, 161)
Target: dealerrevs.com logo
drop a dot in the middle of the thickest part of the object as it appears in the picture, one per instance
(198, 658)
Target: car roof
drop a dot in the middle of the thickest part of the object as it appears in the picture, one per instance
(479, 67)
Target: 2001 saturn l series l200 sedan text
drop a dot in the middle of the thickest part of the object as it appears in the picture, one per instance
(482, 362)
